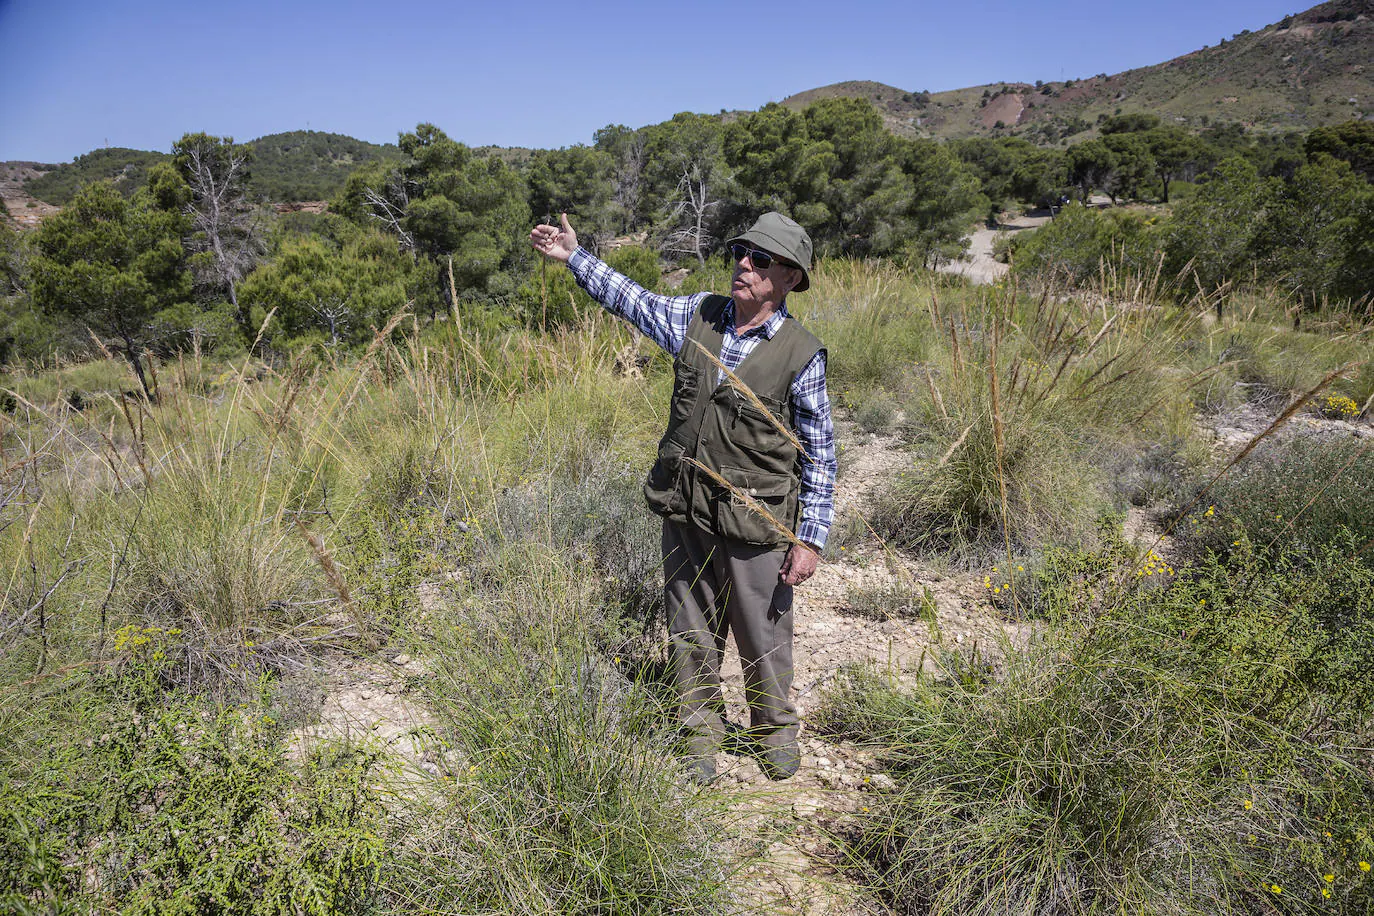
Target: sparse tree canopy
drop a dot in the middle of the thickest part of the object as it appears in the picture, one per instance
(688, 181)
(224, 233)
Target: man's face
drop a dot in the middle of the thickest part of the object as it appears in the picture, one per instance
(752, 287)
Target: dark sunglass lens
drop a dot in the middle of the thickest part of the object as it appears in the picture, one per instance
(761, 260)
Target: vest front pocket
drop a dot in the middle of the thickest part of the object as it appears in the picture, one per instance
(775, 494)
(686, 383)
(663, 489)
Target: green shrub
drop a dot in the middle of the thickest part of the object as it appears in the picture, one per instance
(1013, 439)
(875, 413)
(562, 800)
(1188, 751)
(891, 600)
(151, 809)
(1068, 580)
(1081, 245)
(1290, 496)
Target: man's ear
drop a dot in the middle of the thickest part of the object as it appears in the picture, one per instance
(794, 278)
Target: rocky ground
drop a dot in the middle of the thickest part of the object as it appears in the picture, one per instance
(26, 211)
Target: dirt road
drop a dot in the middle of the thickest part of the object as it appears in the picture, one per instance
(978, 264)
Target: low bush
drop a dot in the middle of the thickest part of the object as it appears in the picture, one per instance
(1015, 426)
(141, 806)
(1190, 750)
(1081, 246)
(891, 600)
(1291, 496)
(561, 798)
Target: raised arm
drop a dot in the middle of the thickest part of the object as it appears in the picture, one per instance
(663, 319)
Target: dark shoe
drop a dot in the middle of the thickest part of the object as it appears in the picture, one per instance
(780, 762)
(737, 741)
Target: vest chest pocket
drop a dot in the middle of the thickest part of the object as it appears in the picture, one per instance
(757, 435)
(686, 384)
(774, 493)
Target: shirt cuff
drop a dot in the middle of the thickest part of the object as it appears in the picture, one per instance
(813, 533)
(577, 260)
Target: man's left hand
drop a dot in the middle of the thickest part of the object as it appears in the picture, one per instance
(801, 562)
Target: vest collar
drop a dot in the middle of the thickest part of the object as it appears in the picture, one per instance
(768, 328)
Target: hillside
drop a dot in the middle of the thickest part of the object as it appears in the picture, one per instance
(292, 166)
(1308, 70)
(310, 164)
(127, 168)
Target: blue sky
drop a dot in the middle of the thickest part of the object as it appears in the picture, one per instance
(76, 75)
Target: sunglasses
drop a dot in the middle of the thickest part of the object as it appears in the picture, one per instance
(761, 260)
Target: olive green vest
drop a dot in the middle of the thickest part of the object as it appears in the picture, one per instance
(727, 433)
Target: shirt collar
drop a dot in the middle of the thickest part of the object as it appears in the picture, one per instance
(768, 328)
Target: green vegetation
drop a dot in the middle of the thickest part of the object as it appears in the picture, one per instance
(1023, 405)
(247, 458)
(292, 166)
(1295, 496)
(181, 570)
(309, 164)
(1120, 765)
(113, 264)
(260, 525)
(126, 169)
(1310, 234)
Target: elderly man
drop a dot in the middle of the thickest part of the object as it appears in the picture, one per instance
(727, 566)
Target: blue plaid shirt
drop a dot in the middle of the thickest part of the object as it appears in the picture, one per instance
(664, 320)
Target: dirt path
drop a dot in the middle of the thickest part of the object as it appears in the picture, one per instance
(978, 264)
(838, 781)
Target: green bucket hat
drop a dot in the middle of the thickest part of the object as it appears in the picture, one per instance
(778, 235)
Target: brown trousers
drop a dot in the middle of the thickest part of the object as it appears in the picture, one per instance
(714, 586)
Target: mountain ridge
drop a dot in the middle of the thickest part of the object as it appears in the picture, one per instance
(1308, 70)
